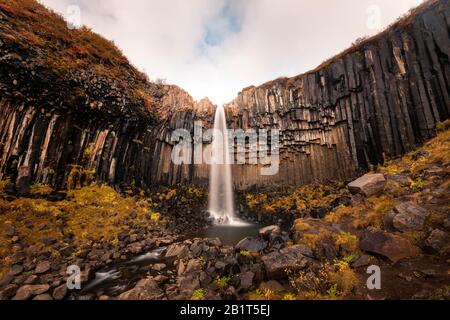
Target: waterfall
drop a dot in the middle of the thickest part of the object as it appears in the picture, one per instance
(221, 199)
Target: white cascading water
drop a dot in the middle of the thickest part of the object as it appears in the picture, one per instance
(221, 200)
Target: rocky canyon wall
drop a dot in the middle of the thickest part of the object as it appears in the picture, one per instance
(374, 102)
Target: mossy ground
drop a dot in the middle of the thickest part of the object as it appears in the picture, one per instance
(425, 174)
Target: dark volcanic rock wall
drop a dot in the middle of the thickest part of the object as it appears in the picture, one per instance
(37, 145)
(374, 102)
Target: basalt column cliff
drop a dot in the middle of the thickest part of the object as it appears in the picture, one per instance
(374, 102)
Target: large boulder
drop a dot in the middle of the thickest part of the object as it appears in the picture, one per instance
(176, 251)
(409, 217)
(368, 185)
(246, 280)
(42, 267)
(28, 291)
(146, 289)
(388, 245)
(272, 285)
(277, 263)
(251, 244)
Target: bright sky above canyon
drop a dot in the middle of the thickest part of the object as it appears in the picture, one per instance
(215, 48)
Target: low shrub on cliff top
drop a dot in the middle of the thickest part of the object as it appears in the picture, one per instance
(78, 59)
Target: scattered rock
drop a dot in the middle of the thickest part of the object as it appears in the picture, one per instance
(388, 220)
(272, 285)
(269, 232)
(159, 266)
(388, 245)
(368, 185)
(43, 297)
(251, 244)
(230, 294)
(276, 263)
(362, 261)
(439, 241)
(9, 291)
(42, 267)
(60, 292)
(48, 241)
(27, 291)
(247, 280)
(410, 217)
(176, 251)
(30, 280)
(16, 270)
(10, 230)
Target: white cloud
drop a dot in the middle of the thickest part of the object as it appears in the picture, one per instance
(215, 48)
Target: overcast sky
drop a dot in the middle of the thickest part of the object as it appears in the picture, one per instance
(215, 48)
